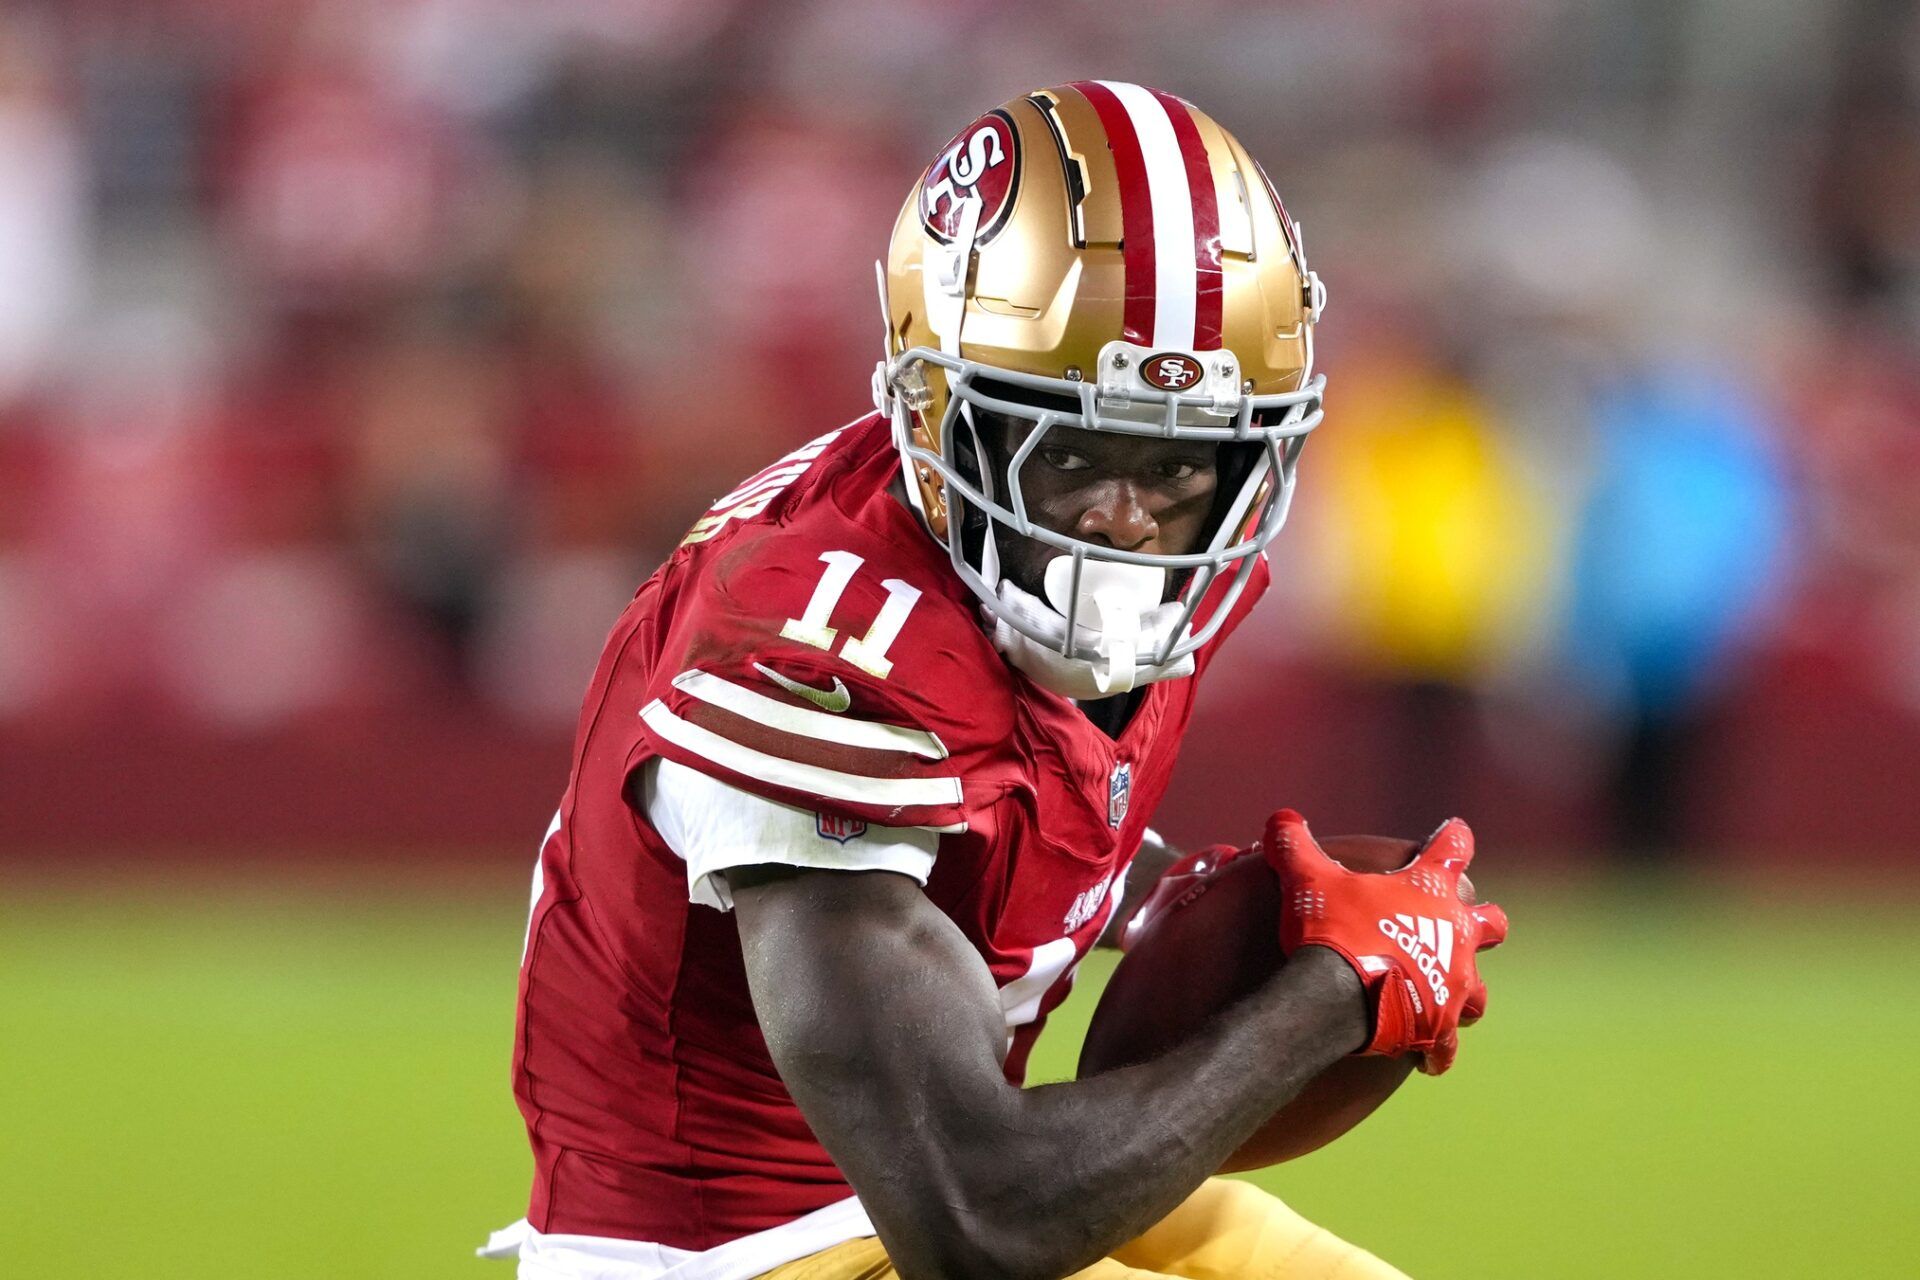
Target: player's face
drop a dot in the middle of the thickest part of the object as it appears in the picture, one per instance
(1130, 492)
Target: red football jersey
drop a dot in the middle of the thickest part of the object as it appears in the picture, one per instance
(654, 1110)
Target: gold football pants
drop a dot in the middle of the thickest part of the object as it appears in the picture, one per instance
(1224, 1231)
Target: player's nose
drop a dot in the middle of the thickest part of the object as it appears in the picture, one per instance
(1118, 517)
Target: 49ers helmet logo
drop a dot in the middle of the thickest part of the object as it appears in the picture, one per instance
(981, 164)
(1172, 372)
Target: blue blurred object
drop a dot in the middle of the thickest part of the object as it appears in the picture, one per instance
(1684, 537)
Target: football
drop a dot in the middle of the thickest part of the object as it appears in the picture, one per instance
(1207, 950)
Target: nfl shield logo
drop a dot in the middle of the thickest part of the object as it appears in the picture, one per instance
(1119, 790)
(838, 830)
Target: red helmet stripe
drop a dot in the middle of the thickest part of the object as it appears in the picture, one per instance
(1206, 222)
(1136, 210)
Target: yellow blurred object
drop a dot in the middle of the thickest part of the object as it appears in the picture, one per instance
(1444, 545)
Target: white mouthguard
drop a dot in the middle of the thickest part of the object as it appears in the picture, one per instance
(1112, 599)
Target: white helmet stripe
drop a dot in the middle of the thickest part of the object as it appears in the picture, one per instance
(1175, 270)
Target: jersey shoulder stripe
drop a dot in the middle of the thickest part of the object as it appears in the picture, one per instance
(934, 801)
(822, 725)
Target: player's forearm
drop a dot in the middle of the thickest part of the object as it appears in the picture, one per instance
(1069, 1172)
(889, 1033)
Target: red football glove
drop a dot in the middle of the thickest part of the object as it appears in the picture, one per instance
(1406, 933)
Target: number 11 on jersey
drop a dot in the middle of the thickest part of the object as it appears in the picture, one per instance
(868, 652)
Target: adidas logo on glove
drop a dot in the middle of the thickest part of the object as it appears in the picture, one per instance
(1429, 944)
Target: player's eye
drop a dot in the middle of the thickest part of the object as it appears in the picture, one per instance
(1180, 471)
(1063, 459)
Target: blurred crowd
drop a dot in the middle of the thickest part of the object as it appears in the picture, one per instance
(359, 353)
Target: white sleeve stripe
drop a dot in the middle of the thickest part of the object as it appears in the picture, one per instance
(822, 725)
(834, 785)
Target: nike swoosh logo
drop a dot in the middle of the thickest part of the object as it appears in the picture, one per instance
(836, 699)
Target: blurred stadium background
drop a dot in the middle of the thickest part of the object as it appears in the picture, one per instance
(357, 359)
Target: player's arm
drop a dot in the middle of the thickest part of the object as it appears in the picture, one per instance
(887, 1028)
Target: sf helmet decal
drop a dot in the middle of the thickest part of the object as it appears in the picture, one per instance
(981, 164)
(1172, 371)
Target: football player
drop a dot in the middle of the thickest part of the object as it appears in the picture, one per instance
(864, 768)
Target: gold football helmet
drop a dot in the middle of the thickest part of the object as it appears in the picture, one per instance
(1103, 256)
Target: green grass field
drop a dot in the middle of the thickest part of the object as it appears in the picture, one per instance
(291, 1082)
